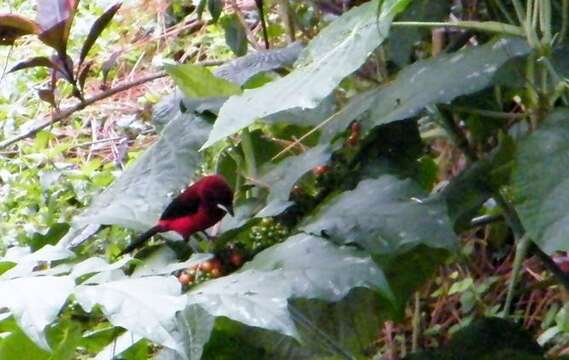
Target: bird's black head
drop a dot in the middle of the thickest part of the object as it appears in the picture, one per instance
(217, 192)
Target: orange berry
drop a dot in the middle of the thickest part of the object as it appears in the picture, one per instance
(215, 272)
(184, 278)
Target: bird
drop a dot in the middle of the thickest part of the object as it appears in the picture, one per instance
(199, 207)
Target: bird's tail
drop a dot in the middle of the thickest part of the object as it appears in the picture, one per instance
(142, 239)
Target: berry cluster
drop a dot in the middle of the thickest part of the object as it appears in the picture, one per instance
(220, 265)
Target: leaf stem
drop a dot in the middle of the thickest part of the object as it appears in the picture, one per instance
(416, 323)
(521, 252)
(485, 26)
(249, 155)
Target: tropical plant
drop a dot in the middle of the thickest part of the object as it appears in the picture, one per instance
(359, 164)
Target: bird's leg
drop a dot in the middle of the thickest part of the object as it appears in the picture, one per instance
(208, 236)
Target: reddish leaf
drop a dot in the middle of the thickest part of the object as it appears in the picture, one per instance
(52, 12)
(55, 18)
(13, 26)
(35, 62)
(65, 70)
(100, 24)
(48, 96)
(82, 75)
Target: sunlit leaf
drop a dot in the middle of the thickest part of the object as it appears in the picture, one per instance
(26, 261)
(197, 81)
(420, 84)
(302, 267)
(118, 346)
(20, 296)
(242, 69)
(334, 54)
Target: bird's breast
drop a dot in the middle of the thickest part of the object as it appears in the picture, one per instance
(187, 225)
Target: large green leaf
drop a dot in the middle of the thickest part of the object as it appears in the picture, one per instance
(421, 84)
(25, 262)
(541, 185)
(303, 267)
(33, 314)
(138, 197)
(145, 306)
(198, 81)
(343, 329)
(385, 216)
(119, 346)
(336, 52)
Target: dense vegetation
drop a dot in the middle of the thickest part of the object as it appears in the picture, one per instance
(399, 170)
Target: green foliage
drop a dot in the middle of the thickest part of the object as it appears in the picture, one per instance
(338, 51)
(357, 171)
(487, 338)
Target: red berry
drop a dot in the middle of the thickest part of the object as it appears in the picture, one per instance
(236, 259)
(320, 170)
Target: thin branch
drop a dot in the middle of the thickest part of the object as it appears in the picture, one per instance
(80, 106)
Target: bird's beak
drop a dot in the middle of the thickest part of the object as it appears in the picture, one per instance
(227, 209)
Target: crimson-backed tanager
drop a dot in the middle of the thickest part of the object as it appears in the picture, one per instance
(202, 205)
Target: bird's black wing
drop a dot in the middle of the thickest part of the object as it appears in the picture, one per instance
(182, 205)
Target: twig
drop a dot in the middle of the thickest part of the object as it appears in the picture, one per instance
(83, 104)
(521, 252)
(284, 13)
(80, 106)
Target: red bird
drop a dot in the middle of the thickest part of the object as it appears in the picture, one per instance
(202, 205)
